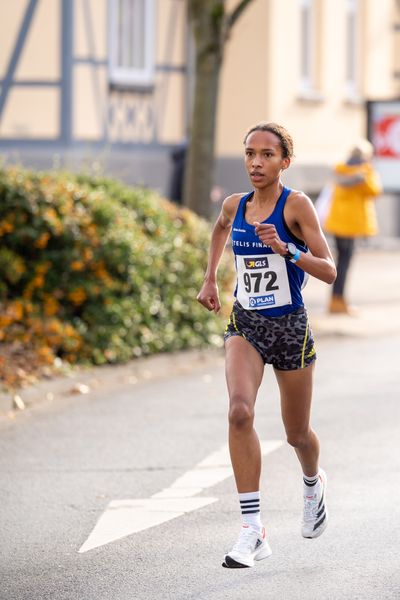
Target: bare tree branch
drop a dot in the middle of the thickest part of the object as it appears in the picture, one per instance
(236, 13)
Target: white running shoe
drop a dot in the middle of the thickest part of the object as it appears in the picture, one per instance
(250, 546)
(315, 515)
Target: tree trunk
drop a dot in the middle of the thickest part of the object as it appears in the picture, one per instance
(211, 27)
(200, 158)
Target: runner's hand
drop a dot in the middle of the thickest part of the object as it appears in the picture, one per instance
(269, 236)
(209, 297)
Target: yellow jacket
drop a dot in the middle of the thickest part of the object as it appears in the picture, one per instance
(352, 210)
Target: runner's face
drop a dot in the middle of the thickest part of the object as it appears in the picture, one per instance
(263, 158)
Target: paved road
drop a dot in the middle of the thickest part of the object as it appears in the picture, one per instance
(61, 464)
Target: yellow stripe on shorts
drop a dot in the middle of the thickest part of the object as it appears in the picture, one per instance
(227, 325)
(234, 322)
(304, 347)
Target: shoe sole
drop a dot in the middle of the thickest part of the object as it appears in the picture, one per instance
(231, 563)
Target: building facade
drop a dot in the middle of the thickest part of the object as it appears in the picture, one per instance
(106, 84)
(94, 84)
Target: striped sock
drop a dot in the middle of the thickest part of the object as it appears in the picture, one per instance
(311, 484)
(250, 507)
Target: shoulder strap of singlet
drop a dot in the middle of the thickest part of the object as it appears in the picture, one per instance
(279, 208)
(243, 202)
(282, 199)
(239, 217)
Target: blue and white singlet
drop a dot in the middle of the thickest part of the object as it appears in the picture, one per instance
(266, 282)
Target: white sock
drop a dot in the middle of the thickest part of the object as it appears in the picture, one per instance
(250, 507)
(311, 485)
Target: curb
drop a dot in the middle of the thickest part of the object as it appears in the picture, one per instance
(107, 377)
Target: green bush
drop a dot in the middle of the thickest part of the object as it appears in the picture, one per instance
(93, 270)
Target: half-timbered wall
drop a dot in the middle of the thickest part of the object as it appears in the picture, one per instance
(59, 101)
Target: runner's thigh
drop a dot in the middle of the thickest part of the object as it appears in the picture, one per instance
(244, 370)
(296, 393)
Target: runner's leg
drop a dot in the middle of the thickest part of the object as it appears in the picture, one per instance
(244, 371)
(296, 393)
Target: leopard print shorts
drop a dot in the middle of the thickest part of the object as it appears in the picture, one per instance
(285, 342)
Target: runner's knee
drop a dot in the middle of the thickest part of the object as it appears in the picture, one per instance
(241, 414)
(298, 439)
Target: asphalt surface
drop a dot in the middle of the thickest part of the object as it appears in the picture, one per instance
(63, 461)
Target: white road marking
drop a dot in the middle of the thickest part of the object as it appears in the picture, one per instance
(125, 517)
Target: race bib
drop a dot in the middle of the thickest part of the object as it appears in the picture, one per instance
(262, 281)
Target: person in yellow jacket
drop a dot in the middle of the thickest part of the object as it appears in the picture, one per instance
(351, 213)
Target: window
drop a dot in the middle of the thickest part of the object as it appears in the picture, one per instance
(132, 39)
(306, 46)
(351, 47)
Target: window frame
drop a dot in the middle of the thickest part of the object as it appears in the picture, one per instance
(352, 80)
(132, 77)
(307, 46)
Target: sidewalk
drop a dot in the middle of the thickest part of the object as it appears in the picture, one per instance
(374, 287)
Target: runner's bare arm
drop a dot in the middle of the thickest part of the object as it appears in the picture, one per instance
(302, 220)
(208, 295)
(318, 262)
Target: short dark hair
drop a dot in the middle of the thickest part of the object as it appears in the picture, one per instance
(284, 136)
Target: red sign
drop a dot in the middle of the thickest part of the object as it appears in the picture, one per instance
(387, 136)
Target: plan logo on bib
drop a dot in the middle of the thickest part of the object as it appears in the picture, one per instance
(262, 301)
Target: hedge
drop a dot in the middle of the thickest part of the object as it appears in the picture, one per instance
(94, 271)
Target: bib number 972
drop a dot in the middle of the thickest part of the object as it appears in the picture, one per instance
(254, 281)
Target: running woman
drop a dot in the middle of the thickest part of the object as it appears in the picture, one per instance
(277, 242)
